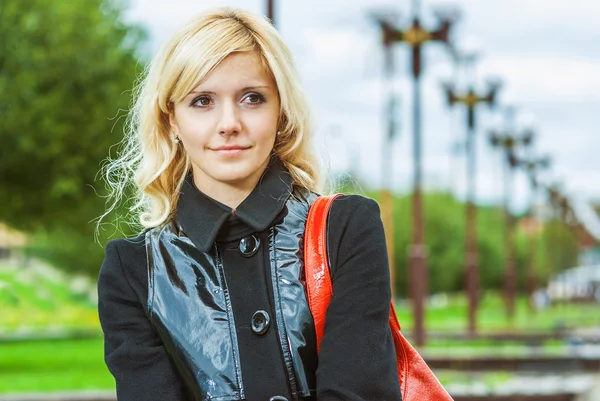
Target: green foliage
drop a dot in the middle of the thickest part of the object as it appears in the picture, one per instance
(558, 250)
(445, 240)
(66, 71)
(37, 297)
(444, 237)
(68, 250)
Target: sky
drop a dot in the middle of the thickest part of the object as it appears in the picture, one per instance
(546, 53)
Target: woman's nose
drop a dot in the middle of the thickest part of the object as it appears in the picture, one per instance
(229, 123)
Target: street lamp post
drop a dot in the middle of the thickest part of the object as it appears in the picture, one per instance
(271, 11)
(563, 210)
(532, 166)
(508, 142)
(471, 99)
(416, 36)
(387, 203)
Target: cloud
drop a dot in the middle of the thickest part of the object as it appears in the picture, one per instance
(337, 52)
(546, 78)
(545, 51)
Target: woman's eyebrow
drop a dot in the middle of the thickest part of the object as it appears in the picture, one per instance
(255, 87)
(201, 91)
(244, 89)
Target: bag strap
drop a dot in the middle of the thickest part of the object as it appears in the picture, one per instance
(316, 262)
(317, 269)
(417, 381)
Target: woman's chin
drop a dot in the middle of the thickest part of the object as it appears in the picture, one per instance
(242, 172)
(237, 176)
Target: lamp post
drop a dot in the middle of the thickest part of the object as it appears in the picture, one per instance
(416, 36)
(387, 203)
(562, 211)
(271, 11)
(532, 166)
(471, 99)
(508, 141)
(461, 60)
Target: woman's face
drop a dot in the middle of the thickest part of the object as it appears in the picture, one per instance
(228, 123)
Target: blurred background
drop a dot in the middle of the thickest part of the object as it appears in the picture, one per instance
(473, 123)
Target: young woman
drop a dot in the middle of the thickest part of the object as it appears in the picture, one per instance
(208, 302)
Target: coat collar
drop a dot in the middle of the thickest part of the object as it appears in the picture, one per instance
(202, 217)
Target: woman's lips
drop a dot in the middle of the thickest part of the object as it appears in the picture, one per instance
(230, 151)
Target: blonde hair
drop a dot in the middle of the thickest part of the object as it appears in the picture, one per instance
(150, 161)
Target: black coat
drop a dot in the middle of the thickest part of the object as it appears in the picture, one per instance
(356, 360)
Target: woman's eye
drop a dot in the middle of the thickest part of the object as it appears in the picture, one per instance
(202, 101)
(254, 98)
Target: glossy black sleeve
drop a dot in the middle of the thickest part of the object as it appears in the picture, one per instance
(357, 360)
(133, 351)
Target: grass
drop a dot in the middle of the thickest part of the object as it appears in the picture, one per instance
(491, 380)
(452, 316)
(54, 365)
(39, 302)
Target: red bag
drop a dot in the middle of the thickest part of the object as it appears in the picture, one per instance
(417, 381)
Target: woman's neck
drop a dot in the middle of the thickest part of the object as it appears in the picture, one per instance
(231, 194)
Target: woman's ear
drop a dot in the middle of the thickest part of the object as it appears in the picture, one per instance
(173, 124)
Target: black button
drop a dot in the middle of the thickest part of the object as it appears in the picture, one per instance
(278, 398)
(260, 322)
(249, 245)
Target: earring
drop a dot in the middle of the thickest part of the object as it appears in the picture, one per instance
(278, 133)
(177, 140)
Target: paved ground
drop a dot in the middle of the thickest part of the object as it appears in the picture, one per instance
(586, 385)
(593, 394)
(529, 384)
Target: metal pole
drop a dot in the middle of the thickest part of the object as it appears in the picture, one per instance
(415, 36)
(534, 165)
(509, 263)
(387, 204)
(271, 11)
(471, 258)
(471, 100)
(533, 247)
(417, 250)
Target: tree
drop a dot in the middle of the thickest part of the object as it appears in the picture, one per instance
(559, 250)
(445, 240)
(66, 71)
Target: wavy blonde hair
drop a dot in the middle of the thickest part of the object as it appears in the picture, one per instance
(152, 163)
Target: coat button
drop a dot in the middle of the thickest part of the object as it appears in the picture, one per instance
(249, 245)
(260, 322)
(278, 398)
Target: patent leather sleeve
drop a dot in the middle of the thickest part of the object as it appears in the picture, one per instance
(357, 358)
(132, 350)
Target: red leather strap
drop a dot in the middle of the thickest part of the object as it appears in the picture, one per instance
(417, 381)
(316, 262)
